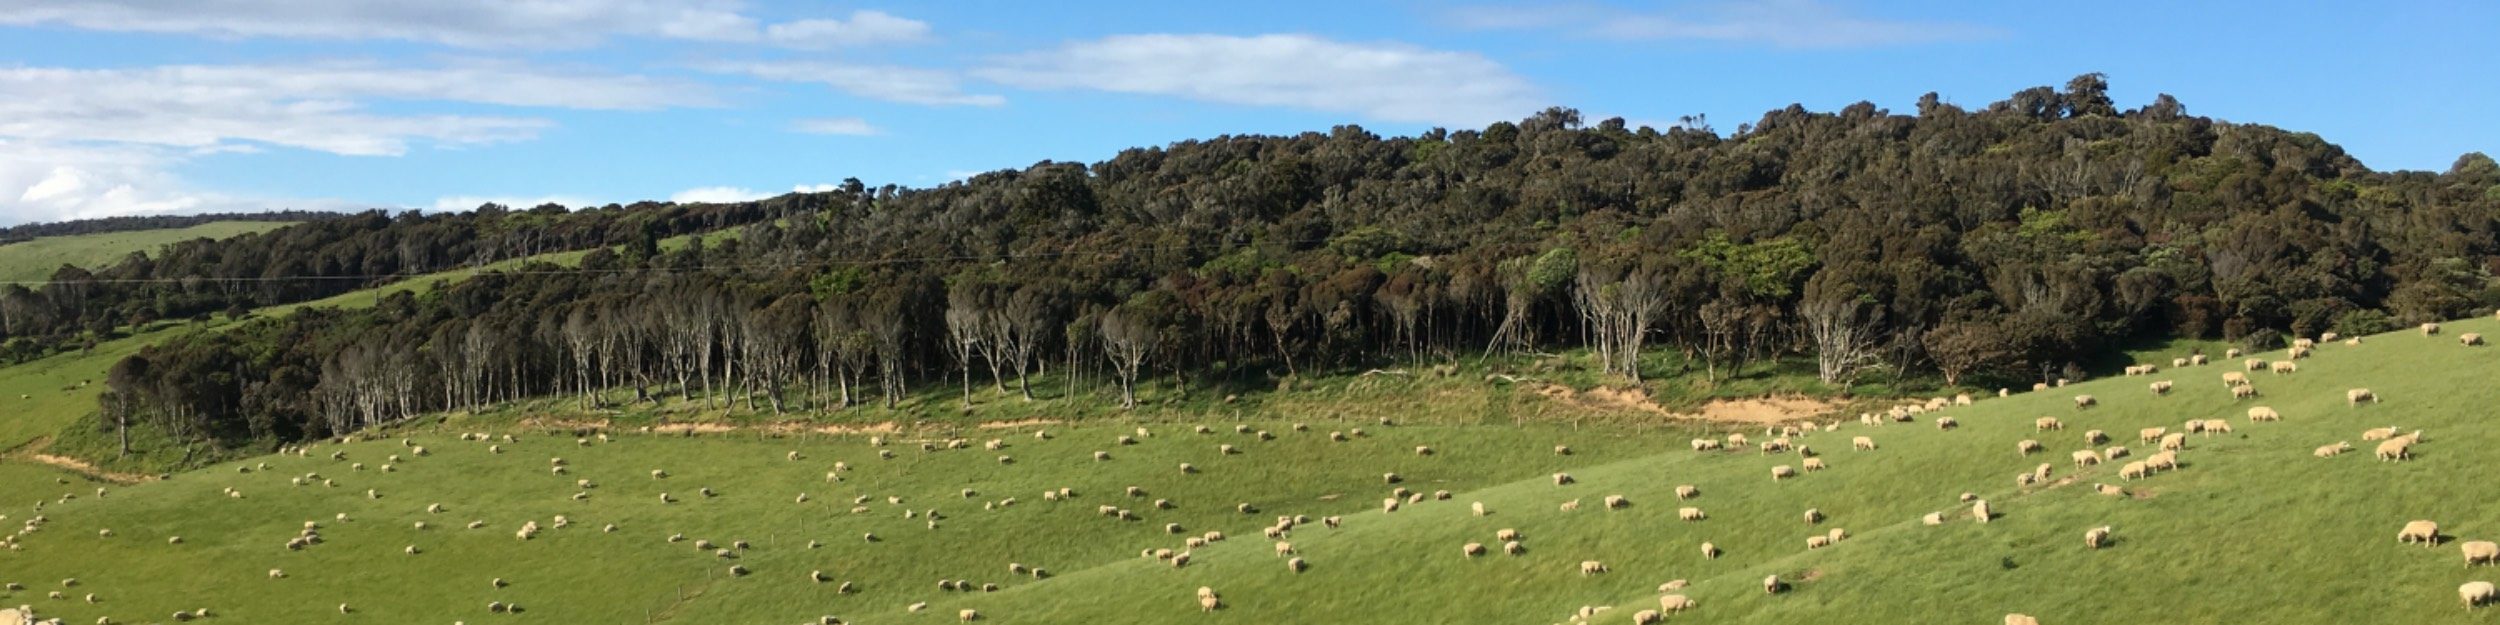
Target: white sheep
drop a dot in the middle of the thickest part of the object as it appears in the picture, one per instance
(2477, 593)
(2096, 537)
(2330, 451)
(2481, 552)
(1591, 567)
(2354, 397)
(2425, 532)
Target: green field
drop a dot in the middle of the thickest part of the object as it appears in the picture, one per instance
(2251, 527)
(35, 260)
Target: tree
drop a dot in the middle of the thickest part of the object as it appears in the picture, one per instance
(1844, 325)
(1129, 334)
(1962, 347)
(1620, 306)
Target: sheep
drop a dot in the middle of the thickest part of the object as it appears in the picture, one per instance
(2470, 339)
(1817, 541)
(1709, 551)
(2425, 532)
(1772, 585)
(2284, 367)
(2026, 447)
(2395, 449)
(1513, 548)
(1980, 511)
(1862, 443)
(1689, 514)
(1561, 479)
(2096, 537)
(2217, 426)
(1687, 491)
(2114, 453)
(1477, 508)
(2379, 434)
(2254, 364)
(2243, 392)
(2085, 401)
(1676, 603)
(1837, 534)
(2199, 359)
(1180, 559)
(1187, 468)
(1705, 444)
(2430, 329)
(1506, 534)
(2178, 362)
(1646, 617)
(1932, 518)
(1782, 472)
(2106, 489)
(1813, 516)
(2481, 552)
(2330, 451)
(1296, 565)
(2354, 397)
(1947, 423)
(2020, 619)
(1814, 464)
(1207, 601)
(2085, 457)
(2477, 593)
(2235, 378)
(1591, 567)
(2044, 424)
(2148, 435)
(2263, 413)
(2174, 441)
(1423, 450)
(968, 615)
(2161, 387)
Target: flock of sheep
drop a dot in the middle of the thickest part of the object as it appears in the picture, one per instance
(2393, 444)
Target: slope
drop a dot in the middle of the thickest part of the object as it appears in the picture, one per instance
(37, 259)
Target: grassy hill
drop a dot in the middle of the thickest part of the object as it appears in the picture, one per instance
(2251, 528)
(37, 259)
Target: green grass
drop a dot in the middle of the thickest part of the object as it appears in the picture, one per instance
(2251, 529)
(35, 260)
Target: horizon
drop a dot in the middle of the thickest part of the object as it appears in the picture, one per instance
(125, 108)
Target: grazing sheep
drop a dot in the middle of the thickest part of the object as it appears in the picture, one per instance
(2217, 426)
(1782, 472)
(2395, 449)
(2243, 392)
(1689, 514)
(2114, 453)
(2096, 537)
(1508, 534)
(2263, 413)
(1389, 504)
(1513, 548)
(1591, 567)
(1705, 444)
(1676, 603)
(1180, 559)
(1423, 450)
(2477, 593)
(2330, 451)
(1837, 534)
(1477, 507)
(2284, 367)
(2085, 401)
(1646, 617)
(2095, 437)
(2254, 364)
(1687, 491)
(1561, 479)
(1981, 512)
(2430, 329)
(2148, 435)
(2199, 359)
(1947, 423)
(1817, 541)
(2379, 434)
(2178, 362)
(2020, 619)
(1814, 515)
(2354, 397)
(1862, 443)
(1932, 518)
(2470, 339)
(2161, 387)
(2026, 447)
(2481, 552)
(2425, 532)
(2106, 489)
(1472, 549)
(1814, 464)
(2235, 378)
(2174, 441)
(2085, 457)
(1772, 585)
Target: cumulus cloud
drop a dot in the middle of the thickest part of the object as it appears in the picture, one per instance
(465, 23)
(851, 126)
(1387, 81)
(1778, 23)
(908, 85)
(727, 194)
(51, 181)
(317, 107)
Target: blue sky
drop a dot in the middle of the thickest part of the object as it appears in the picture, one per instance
(136, 106)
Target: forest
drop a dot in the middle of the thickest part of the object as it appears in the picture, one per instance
(1986, 248)
(25, 232)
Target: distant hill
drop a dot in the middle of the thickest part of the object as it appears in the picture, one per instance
(38, 258)
(26, 232)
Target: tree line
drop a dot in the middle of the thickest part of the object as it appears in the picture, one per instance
(1991, 246)
(26, 232)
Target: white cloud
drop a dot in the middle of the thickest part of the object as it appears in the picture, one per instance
(49, 181)
(864, 28)
(464, 23)
(1388, 81)
(882, 82)
(852, 126)
(716, 195)
(316, 107)
(1779, 23)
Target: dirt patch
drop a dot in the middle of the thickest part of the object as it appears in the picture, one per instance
(694, 428)
(83, 468)
(1002, 425)
(1623, 399)
(1810, 575)
(1766, 409)
(546, 423)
